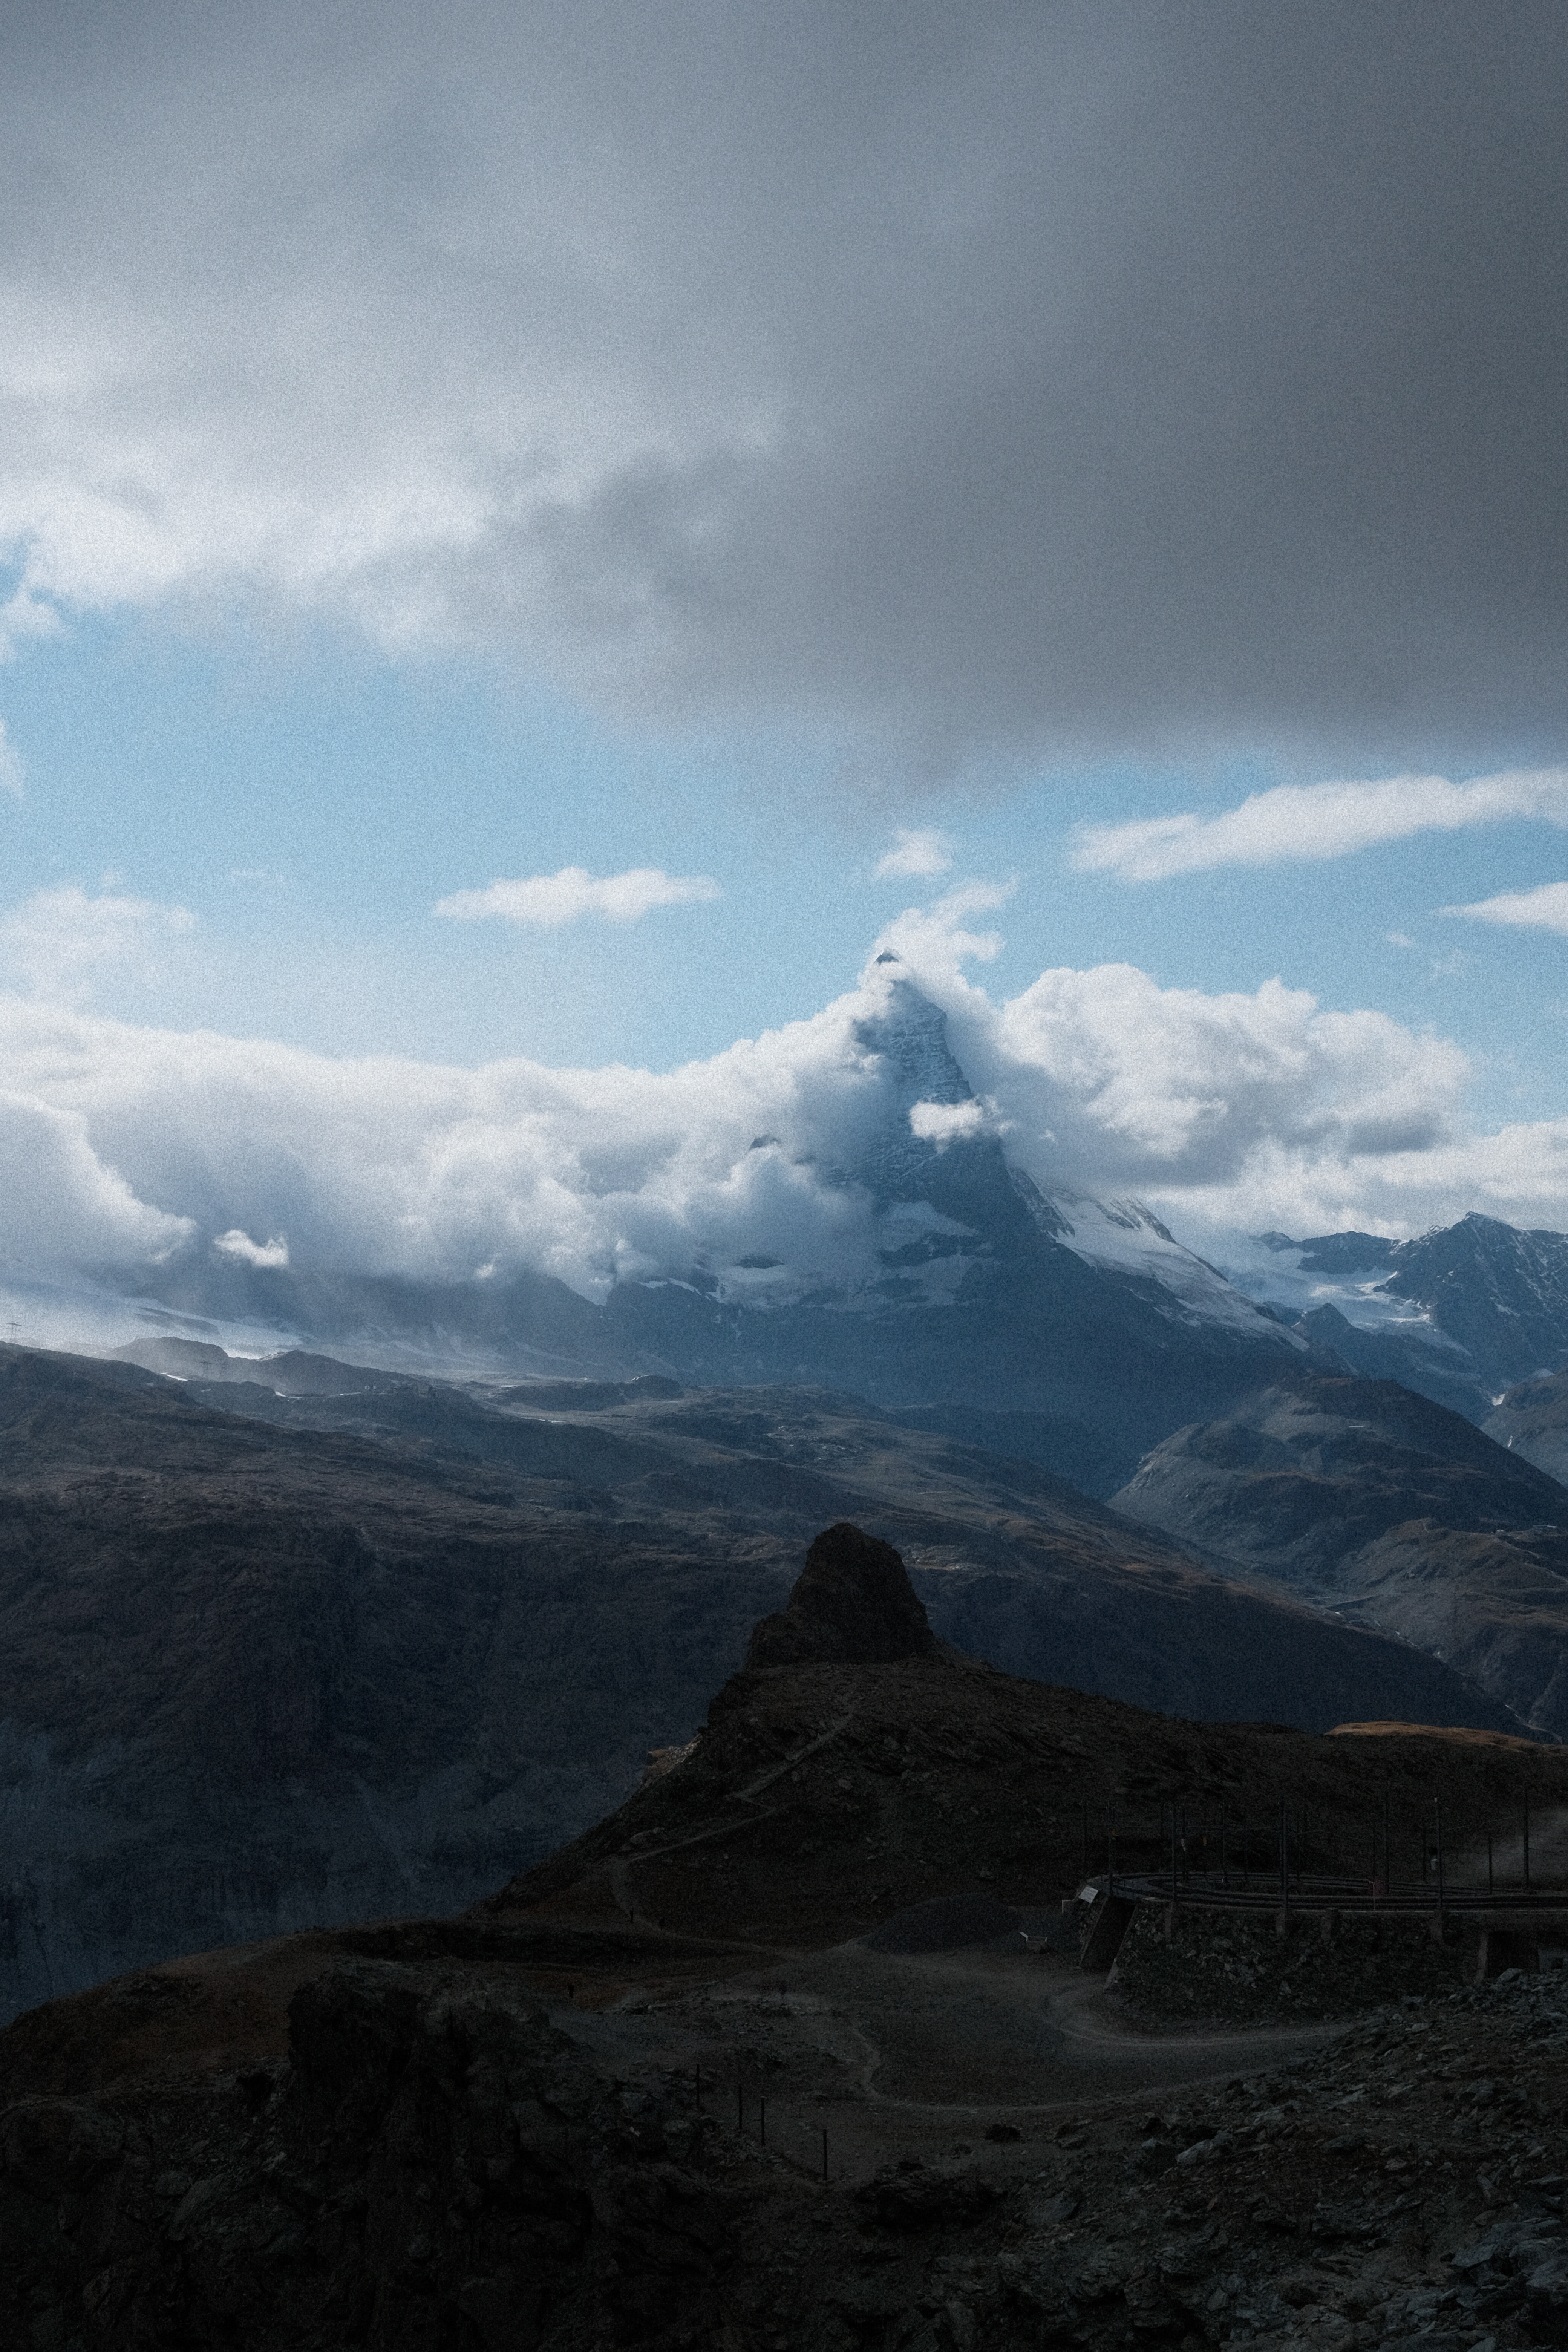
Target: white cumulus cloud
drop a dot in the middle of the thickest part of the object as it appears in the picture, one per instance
(553, 901)
(1543, 909)
(916, 852)
(943, 1123)
(1313, 822)
(935, 941)
(237, 1245)
(1248, 1110)
(58, 942)
(1145, 1087)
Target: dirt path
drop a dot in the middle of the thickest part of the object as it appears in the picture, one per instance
(1001, 2036)
(917, 2054)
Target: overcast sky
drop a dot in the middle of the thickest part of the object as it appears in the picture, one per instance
(540, 532)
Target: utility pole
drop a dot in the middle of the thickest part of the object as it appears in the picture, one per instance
(1284, 1855)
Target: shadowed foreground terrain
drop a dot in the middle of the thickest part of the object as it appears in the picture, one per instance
(660, 2092)
(354, 1643)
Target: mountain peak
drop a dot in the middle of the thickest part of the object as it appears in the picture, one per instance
(962, 1174)
(852, 1604)
(909, 1033)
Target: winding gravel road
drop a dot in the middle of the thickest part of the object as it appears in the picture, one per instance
(918, 2053)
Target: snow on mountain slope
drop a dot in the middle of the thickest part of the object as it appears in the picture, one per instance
(946, 1192)
(1125, 1237)
(1337, 1276)
(1480, 1297)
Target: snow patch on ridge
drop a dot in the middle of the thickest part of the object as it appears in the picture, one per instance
(1276, 1275)
(1127, 1238)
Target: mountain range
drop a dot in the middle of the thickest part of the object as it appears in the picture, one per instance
(1084, 1321)
(358, 1643)
(389, 1595)
(1461, 1314)
(1075, 1332)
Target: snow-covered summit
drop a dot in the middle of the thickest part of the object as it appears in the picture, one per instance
(910, 1037)
(948, 1193)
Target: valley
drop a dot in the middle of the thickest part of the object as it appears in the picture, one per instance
(344, 1653)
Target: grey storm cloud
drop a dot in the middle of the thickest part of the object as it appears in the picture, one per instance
(1007, 383)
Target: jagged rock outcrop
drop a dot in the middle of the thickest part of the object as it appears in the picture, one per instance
(852, 1605)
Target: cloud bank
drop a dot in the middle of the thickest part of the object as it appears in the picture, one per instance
(64, 1208)
(917, 850)
(1541, 910)
(58, 942)
(1234, 1110)
(1023, 382)
(1314, 822)
(553, 901)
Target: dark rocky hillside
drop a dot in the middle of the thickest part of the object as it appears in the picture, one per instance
(657, 2093)
(1380, 1504)
(1532, 1420)
(823, 1795)
(255, 1676)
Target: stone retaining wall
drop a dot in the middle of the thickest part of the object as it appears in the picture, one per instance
(1179, 1962)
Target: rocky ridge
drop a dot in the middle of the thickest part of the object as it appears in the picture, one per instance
(852, 1604)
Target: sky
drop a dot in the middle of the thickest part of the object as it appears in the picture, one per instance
(534, 542)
